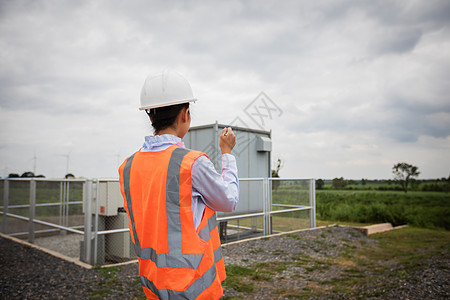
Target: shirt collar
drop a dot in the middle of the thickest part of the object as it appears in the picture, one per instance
(161, 142)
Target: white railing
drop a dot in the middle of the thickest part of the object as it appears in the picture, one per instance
(256, 202)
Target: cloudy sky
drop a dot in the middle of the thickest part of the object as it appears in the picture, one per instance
(360, 85)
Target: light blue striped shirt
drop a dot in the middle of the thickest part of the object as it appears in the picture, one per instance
(219, 192)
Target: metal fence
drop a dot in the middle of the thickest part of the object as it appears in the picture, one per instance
(38, 209)
(85, 219)
(269, 205)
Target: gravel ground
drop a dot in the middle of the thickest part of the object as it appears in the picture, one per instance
(314, 248)
(27, 273)
(66, 244)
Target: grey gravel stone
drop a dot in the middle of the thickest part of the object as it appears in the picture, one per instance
(27, 273)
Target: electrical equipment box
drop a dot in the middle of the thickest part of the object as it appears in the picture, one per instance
(253, 156)
(263, 144)
(109, 198)
(112, 247)
(119, 245)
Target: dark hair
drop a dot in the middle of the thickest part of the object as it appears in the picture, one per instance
(164, 117)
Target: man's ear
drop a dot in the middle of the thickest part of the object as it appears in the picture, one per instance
(186, 115)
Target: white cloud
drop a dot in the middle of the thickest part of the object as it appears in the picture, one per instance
(362, 85)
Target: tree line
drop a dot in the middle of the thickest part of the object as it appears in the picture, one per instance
(29, 174)
(425, 185)
(404, 179)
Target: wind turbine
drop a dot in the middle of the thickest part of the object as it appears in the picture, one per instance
(67, 156)
(34, 159)
(34, 162)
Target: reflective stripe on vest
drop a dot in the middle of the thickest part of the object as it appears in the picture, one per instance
(195, 289)
(205, 232)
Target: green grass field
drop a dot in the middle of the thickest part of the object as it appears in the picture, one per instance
(427, 209)
(422, 209)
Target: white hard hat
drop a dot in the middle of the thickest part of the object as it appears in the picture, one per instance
(164, 89)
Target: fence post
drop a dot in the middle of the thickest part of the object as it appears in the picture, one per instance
(32, 211)
(267, 207)
(61, 183)
(67, 205)
(5, 206)
(88, 221)
(312, 203)
(64, 202)
(97, 194)
(264, 207)
(269, 203)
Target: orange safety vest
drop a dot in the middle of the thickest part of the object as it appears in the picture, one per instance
(175, 260)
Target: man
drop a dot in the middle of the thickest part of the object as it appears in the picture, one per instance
(171, 195)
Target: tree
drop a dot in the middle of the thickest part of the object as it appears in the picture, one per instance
(278, 166)
(27, 174)
(404, 173)
(446, 184)
(275, 174)
(339, 183)
(319, 184)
